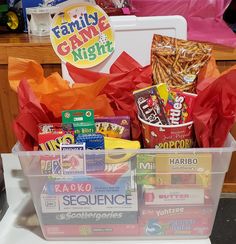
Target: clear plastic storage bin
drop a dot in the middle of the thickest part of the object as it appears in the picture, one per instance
(141, 194)
(128, 194)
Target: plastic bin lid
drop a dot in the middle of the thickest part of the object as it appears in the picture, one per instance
(134, 36)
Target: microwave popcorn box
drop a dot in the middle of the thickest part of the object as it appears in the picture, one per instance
(118, 127)
(73, 231)
(176, 220)
(99, 218)
(185, 169)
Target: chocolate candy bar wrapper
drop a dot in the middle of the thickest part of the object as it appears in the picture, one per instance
(150, 106)
(177, 62)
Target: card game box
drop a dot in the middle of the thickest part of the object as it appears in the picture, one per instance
(86, 184)
(89, 202)
(100, 218)
(118, 127)
(52, 231)
(176, 220)
(52, 135)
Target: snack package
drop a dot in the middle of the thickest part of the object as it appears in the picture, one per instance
(117, 143)
(177, 62)
(173, 196)
(197, 168)
(145, 169)
(178, 106)
(150, 106)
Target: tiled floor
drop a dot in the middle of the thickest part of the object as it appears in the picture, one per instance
(224, 229)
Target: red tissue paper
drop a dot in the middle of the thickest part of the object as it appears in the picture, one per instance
(214, 112)
(126, 75)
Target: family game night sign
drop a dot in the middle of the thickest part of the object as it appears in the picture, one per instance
(82, 35)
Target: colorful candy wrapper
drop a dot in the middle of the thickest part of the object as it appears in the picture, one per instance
(178, 105)
(150, 106)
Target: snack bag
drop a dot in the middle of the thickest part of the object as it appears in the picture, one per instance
(178, 62)
(178, 105)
